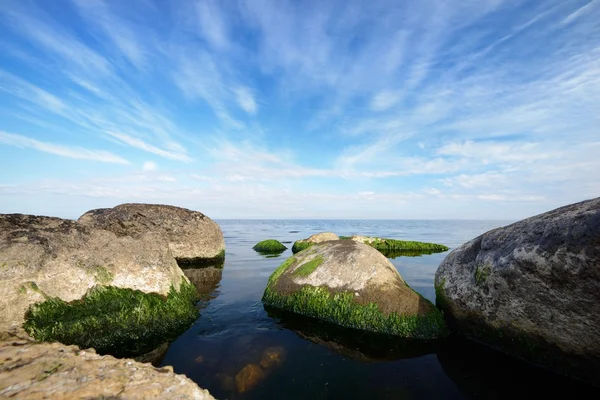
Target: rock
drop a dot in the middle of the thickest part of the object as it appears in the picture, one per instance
(205, 279)
(362, 346)
(272, 356)
(392, 248)
(44, 257)
(156, 356)
(269, 246)
(353, 285)
(248, 377)
(193, 237)
(302, 244)
(31, 370)
(531, 289)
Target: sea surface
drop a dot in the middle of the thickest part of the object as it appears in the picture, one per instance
(238, 350)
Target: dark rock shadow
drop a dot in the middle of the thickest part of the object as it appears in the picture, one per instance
(484, 373)
(359, 345)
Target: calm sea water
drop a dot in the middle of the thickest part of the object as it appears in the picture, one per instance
(305, 359)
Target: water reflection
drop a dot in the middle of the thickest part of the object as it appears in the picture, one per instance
(206, 279)
(483, 373)
(351, 343)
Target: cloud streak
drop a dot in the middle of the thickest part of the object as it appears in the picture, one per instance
(80, 153)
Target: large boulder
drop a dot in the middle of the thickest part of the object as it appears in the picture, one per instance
(353, 285)
(193, 237)
(302, 244)
(45, 257)
(34, 371)
(64, 281)
(531, 289)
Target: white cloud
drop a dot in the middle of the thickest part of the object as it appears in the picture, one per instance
(142, 145)
(384, 100)
(150, 166)
(211, 23)
(59, 150)
(246, 100)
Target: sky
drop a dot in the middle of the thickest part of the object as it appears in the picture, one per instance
(430, 109)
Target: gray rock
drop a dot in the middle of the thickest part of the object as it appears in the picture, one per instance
(192, 236)
(32, 371)
(351, 284)
(532, 289)
(43, 257)
(321, 237)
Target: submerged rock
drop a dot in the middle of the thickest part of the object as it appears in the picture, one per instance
(44, 257)
(192, 236)
(248, 377)
(272, 357)
(302, 244)
(353, 285)
(531, 289)
(363, 346)
(31, 370)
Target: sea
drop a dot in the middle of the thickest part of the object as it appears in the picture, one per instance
(238, 349)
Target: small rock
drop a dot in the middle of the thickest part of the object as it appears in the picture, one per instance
(248, 377)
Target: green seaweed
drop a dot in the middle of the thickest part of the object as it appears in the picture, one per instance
(279, 270)
(300, 245)
(308, 268)
(394, 244)
(117, 321)
(101, 274)
(341, 309)
(482, 273)
(269, 246)
(440, 295)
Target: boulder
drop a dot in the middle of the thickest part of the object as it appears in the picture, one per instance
(353, 285)
(531, 289)
(269, 246)
(192, 237)
(302, 244)
(32, 371)
(44, 257)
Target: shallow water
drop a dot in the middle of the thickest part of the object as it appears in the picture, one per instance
(305, 359)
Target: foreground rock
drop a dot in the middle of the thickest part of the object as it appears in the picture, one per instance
(353, 285)
(532, 289)
(51, 370)
(302, 244)
(192, 237)
(44, 257)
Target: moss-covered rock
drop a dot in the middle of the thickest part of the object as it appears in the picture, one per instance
(392, 247)
(302, 244)
(353, 285)
(45, 257)
(121, 322)
(269, 246)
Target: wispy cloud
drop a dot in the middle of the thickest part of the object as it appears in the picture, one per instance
(451, 105)
(59, 150)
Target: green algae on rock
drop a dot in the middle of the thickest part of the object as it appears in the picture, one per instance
(269, 246)
(390, 247)
(351, 284)
(116, 321)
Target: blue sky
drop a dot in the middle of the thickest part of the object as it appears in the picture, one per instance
(301, 109)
